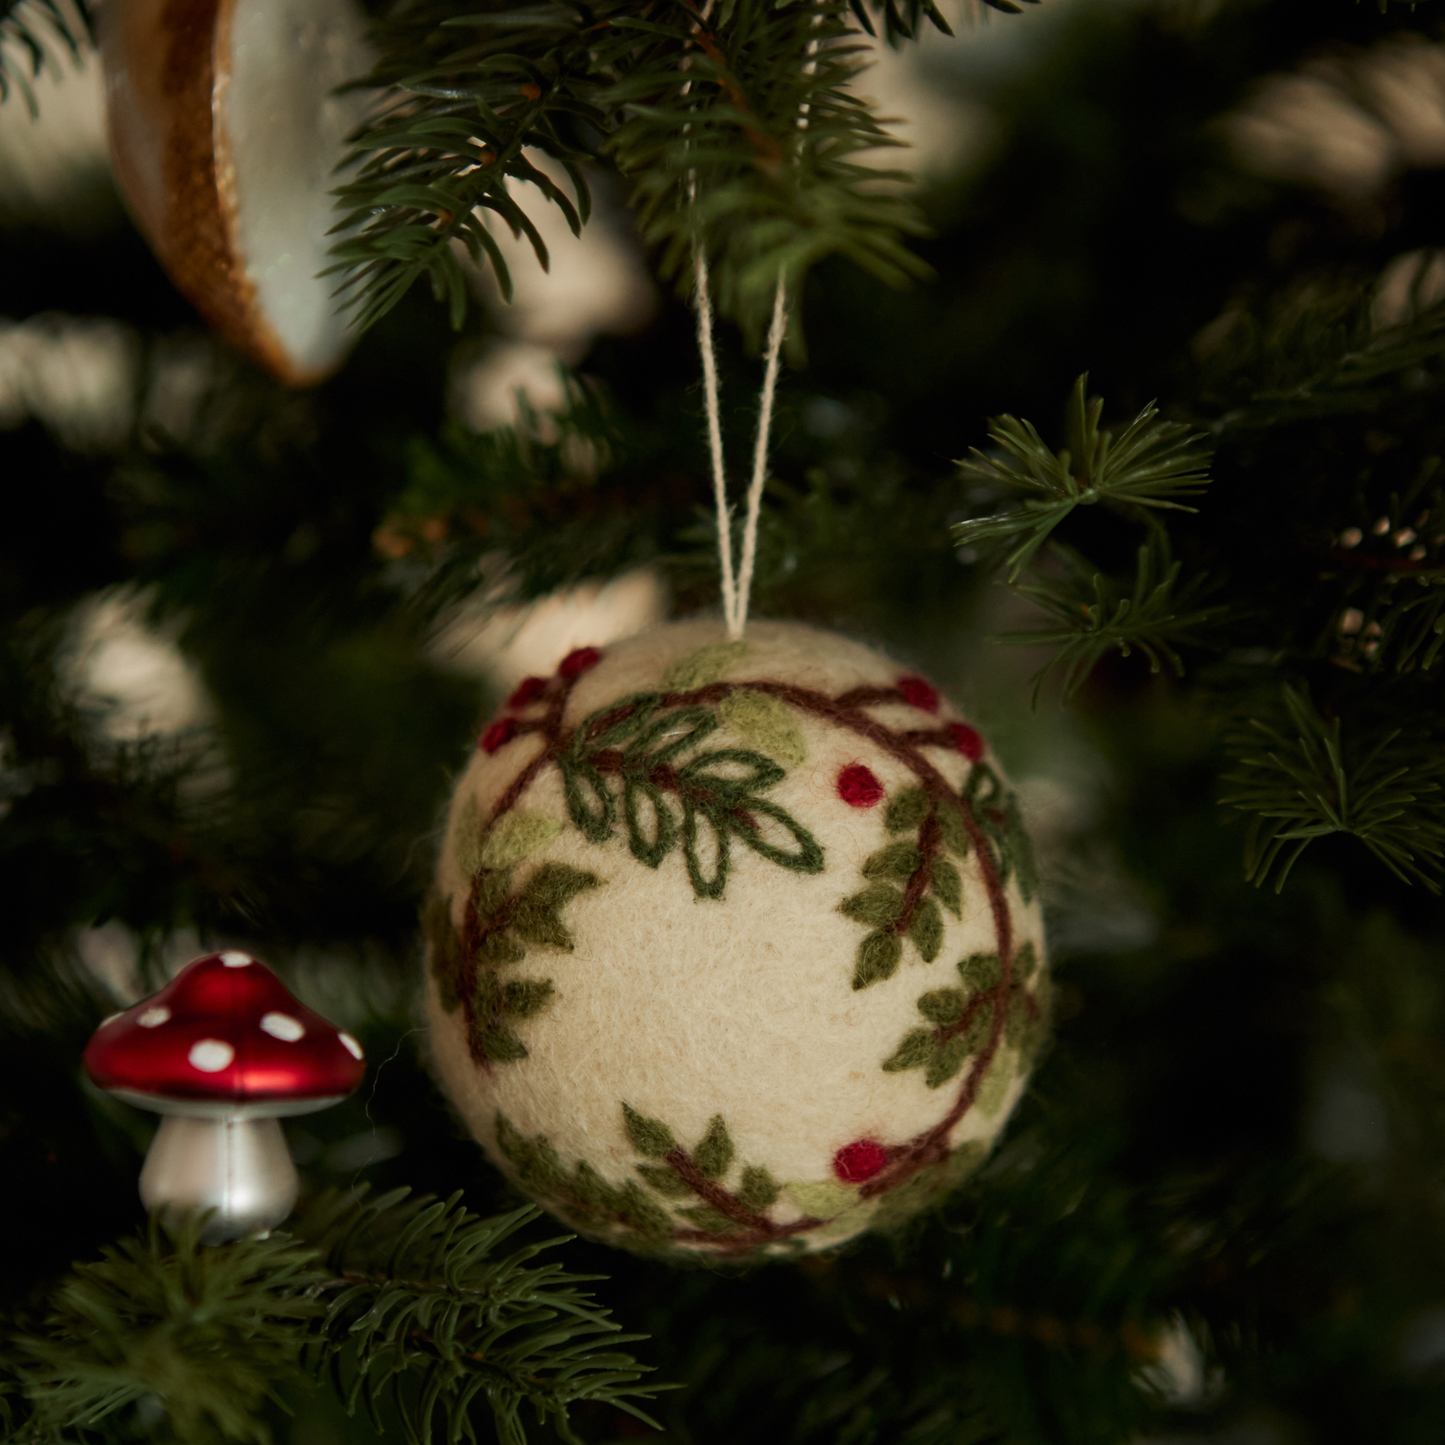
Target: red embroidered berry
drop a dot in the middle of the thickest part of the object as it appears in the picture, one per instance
(859, 786)
(578, 661)
(858, 1162)
(919, 692)
(498, 734)
(528, 691)
(967, 741)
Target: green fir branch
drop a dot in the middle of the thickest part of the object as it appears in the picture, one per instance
(1296, 779)
(1144, 469)
(31, 31)
(1155, 615)
(470, 99)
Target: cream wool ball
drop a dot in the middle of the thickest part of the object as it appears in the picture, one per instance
(735, 948)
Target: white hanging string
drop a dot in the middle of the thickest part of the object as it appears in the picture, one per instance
(736, 594)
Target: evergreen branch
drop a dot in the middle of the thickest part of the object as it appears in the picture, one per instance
(30, 31)
(1301, 783)
(424, 1308)
(1145, 468)
(702, 116)
(1097, 615)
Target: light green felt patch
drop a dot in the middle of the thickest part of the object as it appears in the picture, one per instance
(767, 723)
(515, 836)
(469, 840)
(707, 664)
(996, 1085)
(823, 1200)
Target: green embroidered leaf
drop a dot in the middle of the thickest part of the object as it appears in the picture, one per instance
(550, 888)
(492, 892)
(697, 828)
(825, 1199)
(515, 836)
(947, 1059)
(647, 1218)
(943, 1006)
(1020, 850)
(525, 997)
(591, 1188)
(444, 949)
(612, 724)
(664, 1180)
(1026, 962)
(704, 1216)
(980, 971)
(728, 777)
(897, 860)
(878, 906)
(758, 1190)
(649, 845)
(766, 722)
(500, 947)
(714, 1155)
(905, 810)
(676, 731)
(916, 1050)
(467, 839)
(926, 929)
(955, 834)
(538, 1167)
(878, 958)
(980, 1026)
(497, 1043)
(808, 857)
(706, 665)
(649, 1136)
(590, 803)
(947, 885)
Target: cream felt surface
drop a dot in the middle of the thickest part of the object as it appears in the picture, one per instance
(745, 1007)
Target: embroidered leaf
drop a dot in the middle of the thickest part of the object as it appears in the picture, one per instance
(538, 1166)
(664, 1180)
(906, 810)
(708, 852)
(649, 1136)
(728, 776)
(525, 997)
(878, 958)
(807, 858)
(714, 1155)
(1026, 962)
(824, 1199)
(926, 929)
(758, 1190)
(495, 1042)
(915, 1051)
(767, 723)
(878, 906)
(995, 1086)
(444, 948)
(550, 888)
(947, 885)
(955, 834)
(943, 1006)
(467, 840)
(500, 947)
(704, 1216)
(590, 803)
(515, 836)
(647, 1218)
(897, 860)
(707, 664)
(980, 971)
(653, 837)
(947, 1059)
(492, 892)
(675, 731)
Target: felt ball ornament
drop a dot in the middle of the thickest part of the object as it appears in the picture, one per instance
(736, 947)
(224, 136)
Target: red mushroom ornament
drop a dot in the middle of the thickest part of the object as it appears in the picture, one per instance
(223, 1051)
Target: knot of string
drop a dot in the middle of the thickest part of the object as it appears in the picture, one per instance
(737, 587)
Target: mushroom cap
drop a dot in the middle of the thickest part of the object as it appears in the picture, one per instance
(225, 1038)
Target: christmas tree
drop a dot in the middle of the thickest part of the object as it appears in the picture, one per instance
(1113, 404)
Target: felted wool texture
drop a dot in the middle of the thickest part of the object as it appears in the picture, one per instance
(758, 1063)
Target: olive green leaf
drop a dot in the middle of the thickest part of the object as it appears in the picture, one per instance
(706, 665)
(906, 810)
(897, 860)
(758, 1190)
(915, 1051)
(955, 834)
(467, 840)
(824, 1199)
(664, 1180)
(515, 836)
(649, 1136)
(877, 906)
(980, 971)
(767, 723)
(704, 1216)
(943, 1006)
(947, 885)
(926, 929)
(714, 1155)
(878, 958)
(946, 1060)
(538, 915)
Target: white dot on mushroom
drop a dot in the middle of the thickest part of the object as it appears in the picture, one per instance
(350, 1045)
(283, 1027)
(153, 1018)
(235, 959)
(210, 1056)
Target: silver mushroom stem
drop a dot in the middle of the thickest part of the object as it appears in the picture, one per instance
(238, 1167)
